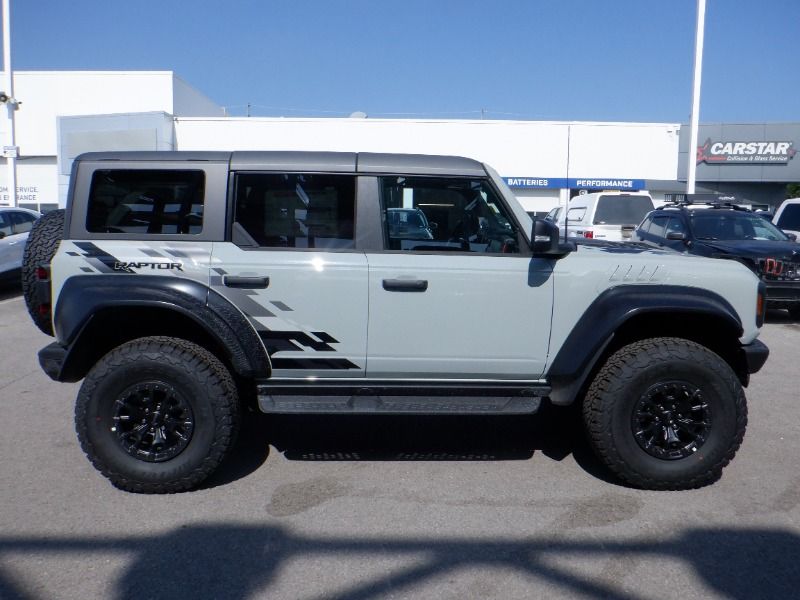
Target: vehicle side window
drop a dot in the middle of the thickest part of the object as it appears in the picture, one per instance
(790, 217)
(297, 210)
(658, 226)
(22, 222)
(574, 215)
(646, 224)
(445, 214)
(675, 225)
(5, 224)
(146, 201)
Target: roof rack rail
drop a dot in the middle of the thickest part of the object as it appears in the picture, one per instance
(712, 200)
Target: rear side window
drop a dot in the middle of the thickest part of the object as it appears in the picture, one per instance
(23, 222)
(576, 214)
(622, 209)
(297, 210)
(146, 201)
(790, 217)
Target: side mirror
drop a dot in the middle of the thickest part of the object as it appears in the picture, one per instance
(676, 236)
(433, 225)
(791, 236)
(546, 242)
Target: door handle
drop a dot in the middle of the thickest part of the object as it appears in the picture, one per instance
(405, 285)
(253, 283)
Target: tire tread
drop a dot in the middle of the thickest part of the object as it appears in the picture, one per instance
(619, 372)
(206, 368)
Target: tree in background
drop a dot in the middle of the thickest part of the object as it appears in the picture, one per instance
(793, 190)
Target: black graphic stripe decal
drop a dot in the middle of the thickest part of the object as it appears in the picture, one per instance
(151, 253)
(276, 341)
(313, 363)
(100, 259)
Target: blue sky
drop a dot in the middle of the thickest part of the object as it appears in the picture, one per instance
(608, 60)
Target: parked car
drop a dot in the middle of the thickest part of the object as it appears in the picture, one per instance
(787, 217)
(291, 295)
(409, 224)
(15, 223)
(723, 230)
(611, 216)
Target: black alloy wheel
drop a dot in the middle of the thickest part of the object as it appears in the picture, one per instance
(671, 420)
(153, 421)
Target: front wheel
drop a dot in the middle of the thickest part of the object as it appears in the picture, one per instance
(665, 414)
(157, 415)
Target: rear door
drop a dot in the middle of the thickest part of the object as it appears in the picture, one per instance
(291, 266)
(470, 303)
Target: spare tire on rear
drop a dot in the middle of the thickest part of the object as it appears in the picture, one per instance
(40, 248)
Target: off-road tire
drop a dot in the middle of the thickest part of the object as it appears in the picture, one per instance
(198, 377)
(634, 371)
(40, 248)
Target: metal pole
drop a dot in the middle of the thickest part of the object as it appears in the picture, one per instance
(10, 152)
(691, 156)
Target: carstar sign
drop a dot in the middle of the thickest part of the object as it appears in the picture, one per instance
(770, 152)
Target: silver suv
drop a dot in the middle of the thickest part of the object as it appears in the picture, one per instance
(181, 287)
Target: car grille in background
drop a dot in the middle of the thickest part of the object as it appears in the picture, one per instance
(779, 270)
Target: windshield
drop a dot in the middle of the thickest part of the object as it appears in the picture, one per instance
(734, 226)
(523, 218)
(622, 209)
(790, 217)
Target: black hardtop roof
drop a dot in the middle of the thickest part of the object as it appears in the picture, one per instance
(340, 162)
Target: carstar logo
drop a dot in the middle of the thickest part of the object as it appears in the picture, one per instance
(745, 152)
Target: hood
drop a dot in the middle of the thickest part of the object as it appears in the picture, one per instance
(755, 248)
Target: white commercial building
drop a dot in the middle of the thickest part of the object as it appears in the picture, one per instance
(66, 113)
(143, 104)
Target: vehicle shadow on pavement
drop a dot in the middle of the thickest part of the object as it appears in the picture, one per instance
(240, 561)
(779, 316)
(555, 432)
(10, 289)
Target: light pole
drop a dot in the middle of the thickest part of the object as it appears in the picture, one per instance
(691, 156)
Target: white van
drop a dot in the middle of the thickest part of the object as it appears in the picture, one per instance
(787, 217)
(609, 216)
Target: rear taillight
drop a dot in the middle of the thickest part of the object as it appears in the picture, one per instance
(761, 304)
(42, 274)
(588, 234)
(44, 309)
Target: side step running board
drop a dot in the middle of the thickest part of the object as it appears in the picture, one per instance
(461, 400)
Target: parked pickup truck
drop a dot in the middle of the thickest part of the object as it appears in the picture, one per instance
(182, 287)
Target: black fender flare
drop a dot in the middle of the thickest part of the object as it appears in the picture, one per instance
(84, 296)
(596, 328)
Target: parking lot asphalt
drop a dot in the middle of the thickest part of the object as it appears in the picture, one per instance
(379, 507)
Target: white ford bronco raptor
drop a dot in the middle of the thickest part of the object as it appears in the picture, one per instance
(183, 287)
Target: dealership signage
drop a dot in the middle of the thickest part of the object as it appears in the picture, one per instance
(605, 183)
(733, 152)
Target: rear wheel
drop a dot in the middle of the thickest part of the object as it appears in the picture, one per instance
(157, 415)
(40, 248)
(665, 413)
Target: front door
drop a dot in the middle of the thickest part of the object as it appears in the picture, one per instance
(458, 299)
